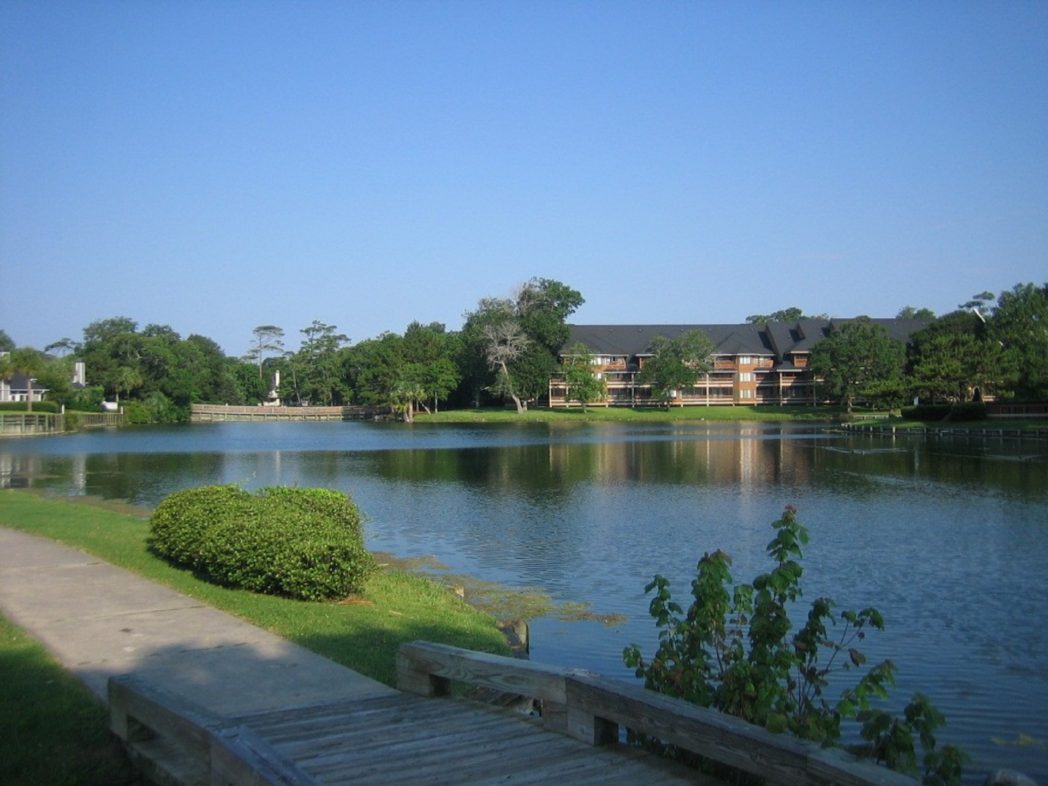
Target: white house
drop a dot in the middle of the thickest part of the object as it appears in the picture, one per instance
(18, 388)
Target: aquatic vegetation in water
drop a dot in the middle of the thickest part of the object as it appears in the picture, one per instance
(499, 600)
(580, 612)
(1022, 741)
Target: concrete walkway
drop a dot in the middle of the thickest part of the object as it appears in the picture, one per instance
(99, 621)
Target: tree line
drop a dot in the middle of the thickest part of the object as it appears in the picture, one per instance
(507, 349)
(987, 346)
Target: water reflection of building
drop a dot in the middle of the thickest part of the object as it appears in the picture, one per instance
(78, 473)
(17, 471)
(745, 458)
(21, 471)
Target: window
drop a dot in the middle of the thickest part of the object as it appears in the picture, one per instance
(745, 376)
(745, 360)
(745, 394)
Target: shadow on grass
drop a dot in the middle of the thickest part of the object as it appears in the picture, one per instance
(52, 729)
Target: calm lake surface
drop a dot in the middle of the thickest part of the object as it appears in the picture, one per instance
(949, 539)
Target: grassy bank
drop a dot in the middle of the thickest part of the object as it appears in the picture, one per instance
(362, 633)
(628, 414)
(52, 730)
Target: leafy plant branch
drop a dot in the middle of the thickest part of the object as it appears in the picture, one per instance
(732, 649)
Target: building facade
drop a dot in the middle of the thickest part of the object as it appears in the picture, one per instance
(751, 364)
(21, 388)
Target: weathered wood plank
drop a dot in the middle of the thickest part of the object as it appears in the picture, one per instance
(472, 744)
(134, 704)
(373, 736)
(591, 772)
(457, 765)
(334, 709)
(164, 762)
(225, 756)
(421, 659)
(449, 739)
(777, 757)
(350, 721)
(590, 709)
(405, 739)
(241, 757)
(413, 720)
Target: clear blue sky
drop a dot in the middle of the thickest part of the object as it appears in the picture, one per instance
(216, 165)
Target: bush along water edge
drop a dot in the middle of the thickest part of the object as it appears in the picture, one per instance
(735, 650)
(303, 543)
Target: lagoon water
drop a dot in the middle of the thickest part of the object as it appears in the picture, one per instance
(948, 538)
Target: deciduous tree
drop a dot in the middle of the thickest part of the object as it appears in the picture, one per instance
(1020, 325)
(583, 383)
(676, 363)
(855, 355)
(56, 376)
(429, 353)
(954, 356)
(475, 371)
(909, 312)
(791, 314)
(536, 317)
(374, 368)
(542, 309)
(504, 343)
(108, 346)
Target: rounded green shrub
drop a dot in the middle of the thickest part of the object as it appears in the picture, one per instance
(302, 543)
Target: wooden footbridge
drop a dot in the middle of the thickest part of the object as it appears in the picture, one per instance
(415, 738)
(217, 413)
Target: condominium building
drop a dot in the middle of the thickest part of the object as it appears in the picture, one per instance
(750, 364)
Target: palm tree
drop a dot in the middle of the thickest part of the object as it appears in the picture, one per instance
(127, 379)
(403, 397)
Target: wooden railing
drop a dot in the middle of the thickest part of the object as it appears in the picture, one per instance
(592, 708)
(181, 743)
(37, 423)
(30, 423)
(205, 413)
(100, 419)
(715, 389)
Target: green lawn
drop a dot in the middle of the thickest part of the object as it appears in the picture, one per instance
(641, 415)
(362, 633)
(52, 730)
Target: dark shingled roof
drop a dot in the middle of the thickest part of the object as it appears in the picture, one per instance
(775, 338)
(632, 340)
(20, 382)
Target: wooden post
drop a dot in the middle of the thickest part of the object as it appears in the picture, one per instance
(412, 678)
